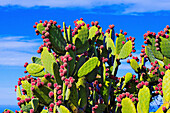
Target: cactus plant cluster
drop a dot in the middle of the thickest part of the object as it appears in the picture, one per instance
(77, 71)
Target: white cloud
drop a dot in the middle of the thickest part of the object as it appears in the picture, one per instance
(16, 50)
(131, 5)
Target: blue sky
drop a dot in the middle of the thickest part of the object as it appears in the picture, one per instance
(19, 43)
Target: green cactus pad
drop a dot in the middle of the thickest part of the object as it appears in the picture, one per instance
(19, 92)
(126, 50)
(26, 108)
(128, 106)
(119, 44)
(36, 60)
(34, 68)
(88, 66)
(151, 44)
(40, 74)
(144, 100)
(62, 109)
(40, 27)
(56, 74)
(73, 98)
(101, 108)
(128, 77)
(149, 53)
(165, 45)
(69, 35)
(57, 40)
(42, 94)
(34, 103)
(92, 33)
(65, 32)
(27, 86)
(82, 35)
(83, 48)
(166, 61)
(71, 63)
(47, 60)
(115, 65)
(104, 73)
(80, 63)
(82, 97)
(165, 86)
(92, 75)
(134, 65)
(110, 44)
(105, 91)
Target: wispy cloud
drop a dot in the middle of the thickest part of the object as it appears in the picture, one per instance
(16, 50)
(129, 6)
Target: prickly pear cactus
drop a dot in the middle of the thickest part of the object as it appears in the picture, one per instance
(78, 71)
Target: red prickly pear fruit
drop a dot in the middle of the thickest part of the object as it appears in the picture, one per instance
(60, 70)
(81, 19)
(145, 42)
(51, 94)
(50, 109)
(49, 84)
(59, 92)
(160, 88)
(73, 48)
(82, 24)
(156, 40)
(136, 99)
(67, 48)
(62, 30)
(107, 69)
(59, 26)
(121, 31)
(65, 64)
(59, 97)
(25, 71)
(69, 86)
(36, 23)
(167, 26)
(159, 80)
(117, 34)
(125, 33)
(96, 106)
(88, 25)
(69, 45)
(47, 34)
(64, 60)
(121, 96)
(57, 103)
(101, 47)
(143, 46)
(123, 42)
(131, 95)
(54, 22)
(18, 98)
(100, 85)
(118, 99)
(143, 83)
(157, 45)
(70, 58)
(63, 78)
(96, 23)
(156, 92)
(133, 50)
(133, 99)
(43, 37)
(52, 105)
(31, 110)
(65, 71)
(127, 94)
(47, 29)
(55, 84)
(162, 73)
(146, 83)
(72, 80)
(40, 21)
(166, 67)
(128, 61)
(92, 23)
(163, 108)
(61, 74)
(34, 26)
(161, 92)
(62, 67)
(119, 105)
(158, 49)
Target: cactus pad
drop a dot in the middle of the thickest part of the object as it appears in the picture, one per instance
(128, 77)
(165, 86)
(34, 103)
(36, 60)
(82, 97)
(126, 50)
(110, 44)
(101, 108)
(34, 68)
(134, 65)
(149, 53)
(47, 60)
(62, 109)
(144, 100)
(88, 66)
(165, 45)
(128, 106)
(119, 44)
(56, 74)
(27, 86)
